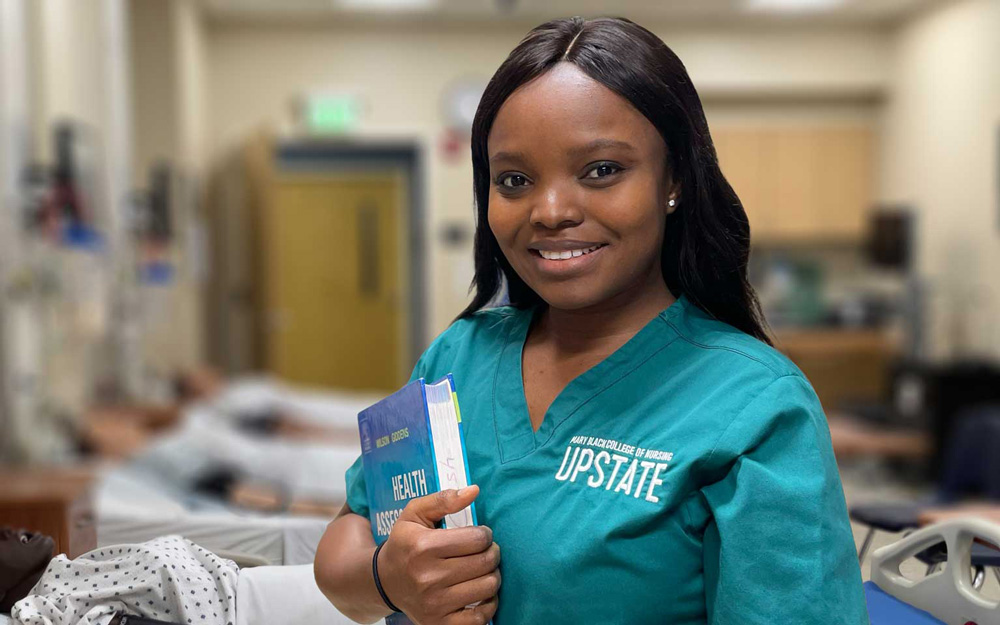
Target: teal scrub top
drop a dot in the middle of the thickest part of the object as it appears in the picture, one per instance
(687, 478)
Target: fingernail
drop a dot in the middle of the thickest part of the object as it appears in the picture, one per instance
(461, 491)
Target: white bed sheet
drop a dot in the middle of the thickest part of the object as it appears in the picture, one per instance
(6, 620)
(330, 408)
(304, 469)
(267, 595)
(133, 510)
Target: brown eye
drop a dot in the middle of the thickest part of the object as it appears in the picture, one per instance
(512, 181)
(603, 170)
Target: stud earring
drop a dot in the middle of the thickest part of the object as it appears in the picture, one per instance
(671, 203)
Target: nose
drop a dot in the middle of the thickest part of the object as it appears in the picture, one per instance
(556, 208)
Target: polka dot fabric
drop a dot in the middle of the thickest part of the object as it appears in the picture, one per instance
(169, 579)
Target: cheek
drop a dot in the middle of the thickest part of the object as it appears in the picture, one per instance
(634, 215)
(503, 221)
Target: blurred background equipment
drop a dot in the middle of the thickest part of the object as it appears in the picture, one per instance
(226, 225)
(938, 598)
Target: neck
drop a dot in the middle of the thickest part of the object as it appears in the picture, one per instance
(610, 323)
(21, 589)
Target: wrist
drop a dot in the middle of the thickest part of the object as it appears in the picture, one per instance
(378, 582)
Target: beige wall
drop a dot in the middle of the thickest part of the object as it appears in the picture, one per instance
(941, 129)
(190, 53)
(154, 85)
(254, 72)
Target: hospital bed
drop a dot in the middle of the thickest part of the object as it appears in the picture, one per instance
(288, 594)
(946, 596)
(151, 496)
(133, 507)
(270, 594)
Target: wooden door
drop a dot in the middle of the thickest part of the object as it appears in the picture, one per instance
(334, 281)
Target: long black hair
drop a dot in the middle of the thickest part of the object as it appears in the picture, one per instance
(706, 243)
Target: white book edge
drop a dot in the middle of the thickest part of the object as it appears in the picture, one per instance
(448, 452)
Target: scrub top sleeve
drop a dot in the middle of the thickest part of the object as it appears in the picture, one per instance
(779, 547)
(420, 367)
(357, 493)
(354, 478)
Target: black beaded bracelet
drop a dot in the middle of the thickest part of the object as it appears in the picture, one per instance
(378, 582)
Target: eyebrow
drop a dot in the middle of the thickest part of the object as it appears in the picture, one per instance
(596, 144)
(600, 144)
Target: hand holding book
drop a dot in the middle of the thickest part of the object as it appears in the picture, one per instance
(433, 574)
(434, 563)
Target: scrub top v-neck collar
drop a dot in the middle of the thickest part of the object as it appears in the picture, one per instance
(515, 436)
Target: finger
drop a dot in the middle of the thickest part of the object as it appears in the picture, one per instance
(460, 541)
(430, 509)
(457, 570)
(472, 591)
(477, 615)
(486, 609)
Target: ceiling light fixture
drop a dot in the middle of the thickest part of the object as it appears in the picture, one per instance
(792, 6)
(385, 5)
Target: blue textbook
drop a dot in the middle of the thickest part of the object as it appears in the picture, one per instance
(411, 446)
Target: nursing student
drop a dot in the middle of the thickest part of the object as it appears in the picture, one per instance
(640, 453)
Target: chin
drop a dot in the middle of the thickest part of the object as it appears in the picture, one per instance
(567, 297)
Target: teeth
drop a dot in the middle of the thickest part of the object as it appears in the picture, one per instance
(563, 255)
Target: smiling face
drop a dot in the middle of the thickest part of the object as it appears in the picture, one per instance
(579, 192)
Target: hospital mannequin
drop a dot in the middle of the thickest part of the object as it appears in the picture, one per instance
(254, 423)
(165, 580)
(643, 454)
(23, 558)
(123, 431)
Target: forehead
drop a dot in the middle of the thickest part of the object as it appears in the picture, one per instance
(563, 108)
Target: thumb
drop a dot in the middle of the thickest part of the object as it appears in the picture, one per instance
(430, 509)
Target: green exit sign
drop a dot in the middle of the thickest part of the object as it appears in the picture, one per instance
(330, 113)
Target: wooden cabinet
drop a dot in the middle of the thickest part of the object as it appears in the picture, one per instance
(56, 502)
(842, 365)
(740, 152)
(800, 183)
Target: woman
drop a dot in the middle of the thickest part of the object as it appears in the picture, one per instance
(643, 454)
